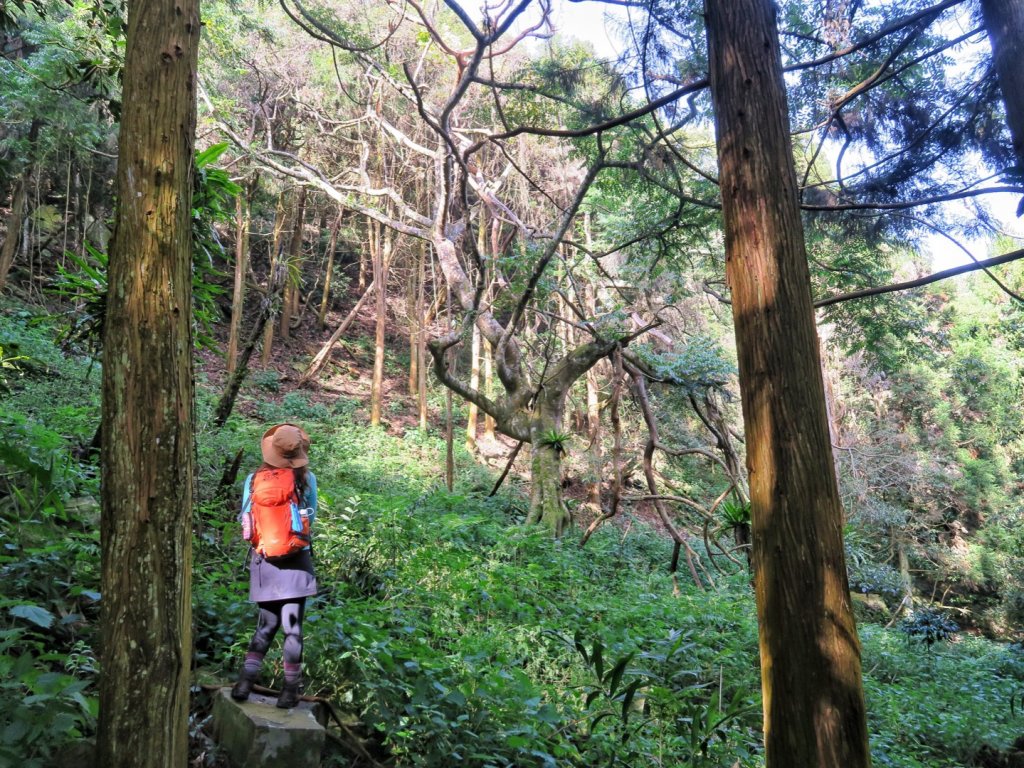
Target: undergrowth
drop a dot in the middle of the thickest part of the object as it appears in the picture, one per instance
(452, 632)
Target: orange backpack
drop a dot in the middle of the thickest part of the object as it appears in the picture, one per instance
(277, 528)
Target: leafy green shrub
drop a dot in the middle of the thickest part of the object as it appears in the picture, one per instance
(59, 394)
(268, 380)
(879, 578)
(41, 710)
(345, 407)
(701, 364)
(936, 709)
(929, 626)
(294, 406)
(48, 615)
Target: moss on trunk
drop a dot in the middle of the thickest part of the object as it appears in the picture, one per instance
(546, 505)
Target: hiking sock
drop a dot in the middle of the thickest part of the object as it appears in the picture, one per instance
(247, 677)
(292, 673)
(253, 662)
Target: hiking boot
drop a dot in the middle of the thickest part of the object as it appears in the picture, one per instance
(289, 696)
(242, 689)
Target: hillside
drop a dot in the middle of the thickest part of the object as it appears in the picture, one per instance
(635, 418)
(444, 629)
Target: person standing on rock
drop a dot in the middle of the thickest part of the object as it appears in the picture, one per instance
(278, 510)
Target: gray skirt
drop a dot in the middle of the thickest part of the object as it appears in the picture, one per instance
(284, 580)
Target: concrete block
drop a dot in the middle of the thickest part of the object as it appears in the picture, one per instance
(256, 734)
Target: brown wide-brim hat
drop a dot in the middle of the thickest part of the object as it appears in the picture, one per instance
(285, 445)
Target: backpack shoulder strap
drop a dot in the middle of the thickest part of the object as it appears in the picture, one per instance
(247, 491)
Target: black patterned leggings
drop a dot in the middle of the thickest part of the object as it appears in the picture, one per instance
(280, 613)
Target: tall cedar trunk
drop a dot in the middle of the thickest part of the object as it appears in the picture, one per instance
(906, 582)
(332, 245)
(291, 289)
(449, 440)
(83, 213)
(241, 266)
(594, 436)
(70, 193)
(380, 253)
(1004, 21)
(147, 444)
(810, 654)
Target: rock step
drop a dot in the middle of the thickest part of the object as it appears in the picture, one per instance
(256, 734)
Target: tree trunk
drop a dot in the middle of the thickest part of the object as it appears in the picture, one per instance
(13, 236)
(421, 337)
(294, 274)
(488, 388)
(449, 440)
(242, 218)
(414, 330)
(332, 244)
(814, 713)
(546, 505)
(365, 264)
(474, 383)
(16, 218)
(318, 362)
(227, 399)
(474, 355)
(593, 413)
(381, 255)
(906, 582)
(1004, 21)
(280, 214)
(147, 443)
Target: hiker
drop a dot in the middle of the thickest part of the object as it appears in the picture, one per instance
(278, 510)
